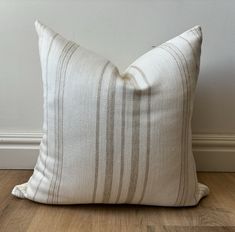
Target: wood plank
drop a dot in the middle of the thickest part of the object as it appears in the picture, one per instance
(214, 213)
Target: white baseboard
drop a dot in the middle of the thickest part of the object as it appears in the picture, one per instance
(19, 150)
(212, 152)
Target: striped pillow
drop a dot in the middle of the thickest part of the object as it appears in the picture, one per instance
(117, 138)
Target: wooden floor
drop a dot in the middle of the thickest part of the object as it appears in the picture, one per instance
(214, 213)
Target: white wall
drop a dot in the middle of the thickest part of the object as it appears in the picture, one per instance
(120, 30)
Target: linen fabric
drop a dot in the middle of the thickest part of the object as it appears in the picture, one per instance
(117, 138)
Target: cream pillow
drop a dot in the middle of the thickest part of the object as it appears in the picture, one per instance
(117, 138)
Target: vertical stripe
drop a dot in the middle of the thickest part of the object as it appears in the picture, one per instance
(148, 132)
(98, 130)
(195, 179)
(64, 52)
(110, 137)
(197, 61)
(182, 162)
(122, 139)
(60, 121)
(183, 184)
(177, 51)
(194, 54)
(58, 150)
(57, 121)
(49, 197)
(187, 127)
(135, 145)
(46, 104)
(148, 146)
(142, 74)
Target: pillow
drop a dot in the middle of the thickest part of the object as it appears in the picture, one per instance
(116, 138)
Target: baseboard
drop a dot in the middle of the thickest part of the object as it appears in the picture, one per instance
(212, 152)
(19, 150)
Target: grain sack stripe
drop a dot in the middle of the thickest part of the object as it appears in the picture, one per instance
(135, 145)
(181, 196)
(58, 116)
(60, 121)
(189, 94)
(148, 132)
(142, 74)
(55, 166)
(110, 137)
(122, 140)
(193, 51)
(195, 55)
(183, 75)
(46, 99)
(49, 197)
(98, 130)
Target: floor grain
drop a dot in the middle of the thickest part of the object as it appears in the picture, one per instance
(214, 213)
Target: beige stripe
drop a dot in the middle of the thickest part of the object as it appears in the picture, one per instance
(189, 91)
(132, 81)
(135, 145)
(46, 99)
(195, 180)
(122, 140)
(60, 121)
(55, 166)
(49, 197)
(58, 116)
(98, 130)
(194, 54)
(148, 146)
(183, 76)
(142, 74)
(110, 137)
(183, 184)
(185, 168)
(148, 132)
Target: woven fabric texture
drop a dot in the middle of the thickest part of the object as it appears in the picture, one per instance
(117, 138)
